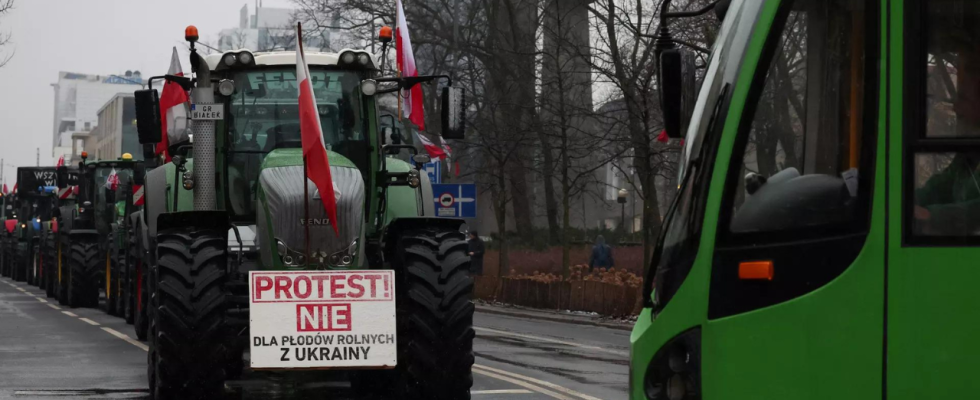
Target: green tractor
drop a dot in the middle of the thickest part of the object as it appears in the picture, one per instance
(35, 188)
(232, 202)
(113, 204)
(83, 261)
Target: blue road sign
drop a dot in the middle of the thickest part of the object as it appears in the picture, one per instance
(434, 169)
(455, 200)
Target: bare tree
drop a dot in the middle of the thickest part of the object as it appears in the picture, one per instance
(6, 7)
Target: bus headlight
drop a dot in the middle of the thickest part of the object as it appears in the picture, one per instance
(675, 371)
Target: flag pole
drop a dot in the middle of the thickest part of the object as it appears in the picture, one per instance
(306, 182)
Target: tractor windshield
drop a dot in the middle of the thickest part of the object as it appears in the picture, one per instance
(264, 115)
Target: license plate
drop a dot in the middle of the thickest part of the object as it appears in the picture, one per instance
(207, 111)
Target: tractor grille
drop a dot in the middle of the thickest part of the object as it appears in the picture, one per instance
(281, 209)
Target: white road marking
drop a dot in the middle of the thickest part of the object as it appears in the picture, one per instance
(21, 289)
(42, 300)
(549, 340)
(501, 391)
(547, 384)
(90, 322)
(54, 306)
(69, 313)
(522, 384)
(123, 336)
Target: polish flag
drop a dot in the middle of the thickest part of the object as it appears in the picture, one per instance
(5, 191)
(61, 161)
(173, 107)
(412, 107)
(112, 181)
(438, 152)
(314, 153)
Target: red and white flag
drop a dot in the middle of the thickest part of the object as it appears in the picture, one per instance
(413, 105)
(173, 107)
(437, 152)
(112, 181)
(15, 187)
(61, 161)
(314, 153)
(5, 191)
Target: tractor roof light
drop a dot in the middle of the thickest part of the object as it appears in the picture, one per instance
(127, 157)
(385, 34)
(363, 59)
(190, 33)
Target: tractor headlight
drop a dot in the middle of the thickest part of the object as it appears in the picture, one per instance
(229, 59)
(188, 182)
(363, 59)
(344, 257)
(369, 87)
(245, 57)
(348, 57)
(414, 179)
(281, 247)
(226, 87)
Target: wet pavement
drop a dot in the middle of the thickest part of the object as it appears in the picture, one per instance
(51, 351)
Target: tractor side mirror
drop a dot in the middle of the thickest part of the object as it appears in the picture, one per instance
(396, 136)
(139, 173)
(671, 81)
(61, 177)
(148, 115)
(453, 113)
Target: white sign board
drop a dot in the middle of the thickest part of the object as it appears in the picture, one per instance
(322, 319)
(208, 111)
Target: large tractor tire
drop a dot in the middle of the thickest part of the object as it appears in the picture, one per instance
(188, 350)
(50, 260)
(435, 321)
(111, 281)
(83, 277)
(138, 285)
(5, 257)
(21, 262)
(63, 273)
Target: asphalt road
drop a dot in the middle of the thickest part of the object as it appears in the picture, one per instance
(50, 351)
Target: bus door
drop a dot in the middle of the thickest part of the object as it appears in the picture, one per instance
(933, 270)
(796, 295)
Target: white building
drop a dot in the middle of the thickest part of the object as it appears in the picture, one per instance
(116, 131)
(77, 100)
(271, 29)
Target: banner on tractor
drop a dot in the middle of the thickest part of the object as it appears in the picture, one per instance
(322, 319)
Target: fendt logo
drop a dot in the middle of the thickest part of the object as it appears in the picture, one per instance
(314, 221)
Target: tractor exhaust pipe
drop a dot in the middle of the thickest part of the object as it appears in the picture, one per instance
(204, 132)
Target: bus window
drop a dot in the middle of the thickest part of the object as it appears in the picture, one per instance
(801, 160)
(944, 122)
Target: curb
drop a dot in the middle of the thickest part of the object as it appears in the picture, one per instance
(556, 318)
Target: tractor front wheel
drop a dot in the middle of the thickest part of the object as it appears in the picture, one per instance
(50, 259)
(435, 321)
(187, 350)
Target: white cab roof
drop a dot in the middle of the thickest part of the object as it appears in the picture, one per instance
(287, 57)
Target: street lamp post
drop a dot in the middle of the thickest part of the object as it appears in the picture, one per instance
(621, 198)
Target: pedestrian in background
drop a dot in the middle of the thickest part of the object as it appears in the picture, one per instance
(602, 256)
(476, 253)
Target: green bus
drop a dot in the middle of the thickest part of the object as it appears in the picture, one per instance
(821, 243)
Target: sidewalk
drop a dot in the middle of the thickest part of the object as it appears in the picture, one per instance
(568, 317)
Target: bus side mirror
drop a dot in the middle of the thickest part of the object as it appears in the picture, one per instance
(148, 116)
(453, 113)
(671, 88)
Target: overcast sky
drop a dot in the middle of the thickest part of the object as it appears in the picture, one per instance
(90, 36)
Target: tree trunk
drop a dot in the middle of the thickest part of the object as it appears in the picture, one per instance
(500, 212)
